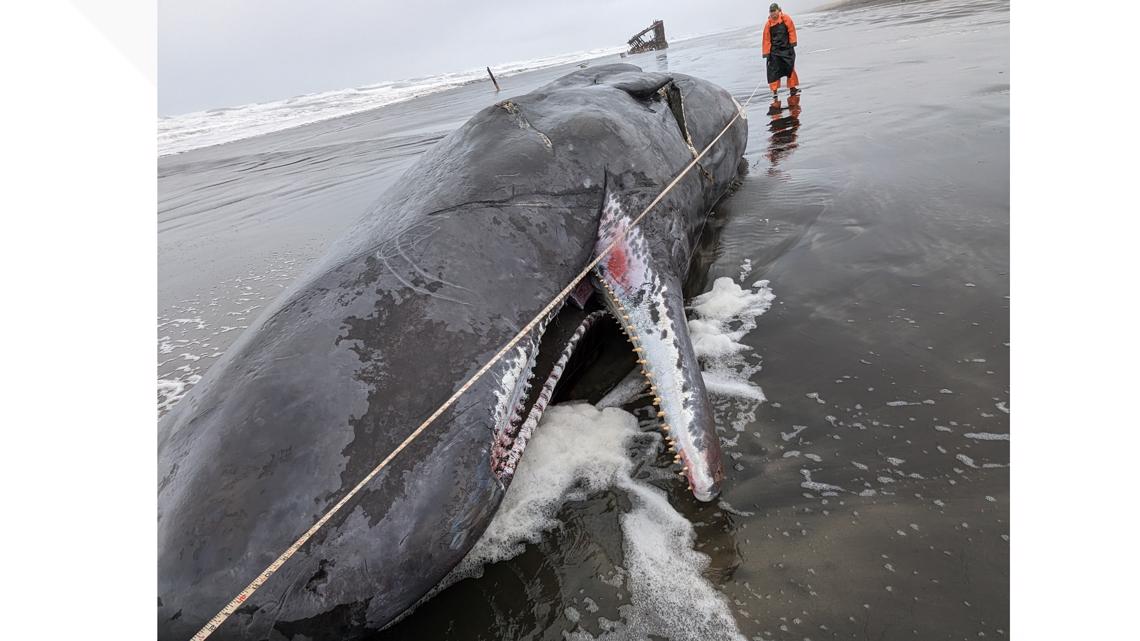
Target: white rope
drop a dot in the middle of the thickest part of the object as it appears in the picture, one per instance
(242, 596)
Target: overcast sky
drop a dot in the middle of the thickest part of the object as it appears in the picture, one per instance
(218, 53)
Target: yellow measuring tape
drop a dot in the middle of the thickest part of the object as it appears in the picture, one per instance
(242, 596)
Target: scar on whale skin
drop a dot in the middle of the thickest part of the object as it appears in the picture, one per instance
(523, 123)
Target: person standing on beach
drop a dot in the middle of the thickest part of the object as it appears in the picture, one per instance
(780, 50)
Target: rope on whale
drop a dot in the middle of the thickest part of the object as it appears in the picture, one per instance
(269, 571)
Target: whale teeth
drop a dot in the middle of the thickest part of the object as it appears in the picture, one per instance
(657, 400)
(660, 414)
(665, 427)
(677, 458)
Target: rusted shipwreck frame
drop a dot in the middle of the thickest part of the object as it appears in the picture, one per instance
(643, 41)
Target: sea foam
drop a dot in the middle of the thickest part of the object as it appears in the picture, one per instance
(578, 450)
(722, 317)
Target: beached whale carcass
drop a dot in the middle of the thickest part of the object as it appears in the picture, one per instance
(461, 253)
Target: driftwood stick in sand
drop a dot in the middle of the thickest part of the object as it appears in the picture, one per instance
(493, 79)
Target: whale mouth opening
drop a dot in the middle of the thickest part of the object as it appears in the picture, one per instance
(567, 348)
(583, 353)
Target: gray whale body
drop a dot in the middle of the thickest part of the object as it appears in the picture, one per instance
(473, 241)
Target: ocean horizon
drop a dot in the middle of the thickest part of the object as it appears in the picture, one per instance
(220, 125)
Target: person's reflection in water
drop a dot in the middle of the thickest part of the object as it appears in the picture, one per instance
(783, 128)
(662, 61)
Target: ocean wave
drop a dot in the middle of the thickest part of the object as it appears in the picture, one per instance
(177, 134)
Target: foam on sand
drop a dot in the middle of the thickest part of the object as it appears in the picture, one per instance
(578, 450)
(722, 317)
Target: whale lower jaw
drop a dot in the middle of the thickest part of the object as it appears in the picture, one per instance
(649, 303)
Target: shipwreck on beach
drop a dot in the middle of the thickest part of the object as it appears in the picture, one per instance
(651, 38)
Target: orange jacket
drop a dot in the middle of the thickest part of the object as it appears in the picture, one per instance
(787, 20)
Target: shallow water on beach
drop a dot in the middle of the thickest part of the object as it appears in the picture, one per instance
(868, 495)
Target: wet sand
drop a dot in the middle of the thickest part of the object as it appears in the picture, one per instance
(868, 498)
